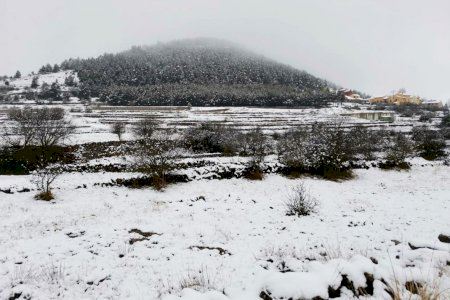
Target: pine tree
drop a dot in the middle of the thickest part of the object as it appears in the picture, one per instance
(55, 91)
(46, 69)
(56, 68)
(17, 75)
(70, 81)
(34, 82)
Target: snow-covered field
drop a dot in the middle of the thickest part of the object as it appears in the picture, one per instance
(118, 243)
(94, 124)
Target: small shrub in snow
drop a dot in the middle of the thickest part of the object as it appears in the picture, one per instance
(398, 148)
(300, 202)
(325, 149)
(43, 179)
(364, 141)
(212, 137)
(256, 147)
(429, 143)
(200, 281)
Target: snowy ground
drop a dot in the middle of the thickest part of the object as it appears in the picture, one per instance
(80, 245)
(20, 84)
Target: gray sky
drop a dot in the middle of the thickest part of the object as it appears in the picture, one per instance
(371, 45)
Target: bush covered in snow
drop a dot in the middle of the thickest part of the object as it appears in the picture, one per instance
(300, 202)
(211, 137)
(324, 149)
(429, 143)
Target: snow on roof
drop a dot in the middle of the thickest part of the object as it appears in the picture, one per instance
(432, 102)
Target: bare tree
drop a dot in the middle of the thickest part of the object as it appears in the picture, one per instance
(54, 127)
(23, 131)
(43, 178)
(118, 128)
(145, 128)
(44, 127)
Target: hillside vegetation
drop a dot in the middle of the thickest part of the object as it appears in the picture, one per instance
(197, 72)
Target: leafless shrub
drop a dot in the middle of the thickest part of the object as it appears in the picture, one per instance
(43, 179)
(200, 280)
(300, 202)
(145, 128)
(118, 128)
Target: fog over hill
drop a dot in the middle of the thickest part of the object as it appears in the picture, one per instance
(200, 71)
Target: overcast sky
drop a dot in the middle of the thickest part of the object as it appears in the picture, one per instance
(371, 45)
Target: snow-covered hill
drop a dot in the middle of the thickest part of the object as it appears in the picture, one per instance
(20, 84)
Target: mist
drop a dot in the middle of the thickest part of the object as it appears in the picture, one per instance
(368, 45)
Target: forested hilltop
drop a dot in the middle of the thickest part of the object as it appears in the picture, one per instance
(198, 72)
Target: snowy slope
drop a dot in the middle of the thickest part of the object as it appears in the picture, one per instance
(25, 82)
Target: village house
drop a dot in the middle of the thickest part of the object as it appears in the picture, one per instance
(436, 104)
(351, 95)
(397, 99)
(373, 115)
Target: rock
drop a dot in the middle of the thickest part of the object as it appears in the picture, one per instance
(444, 238)
(415, 247)
(73, 235)
(6, 191)
(221, 250)
(265, 296)
(144, 235)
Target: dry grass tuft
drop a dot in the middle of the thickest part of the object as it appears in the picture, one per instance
(44, 196)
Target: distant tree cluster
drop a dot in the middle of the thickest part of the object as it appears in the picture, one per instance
(201, 72)
(50, 92)
(45, 69)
